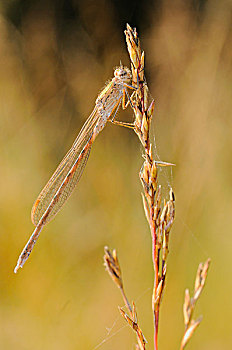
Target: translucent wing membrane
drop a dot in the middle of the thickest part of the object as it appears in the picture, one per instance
(49, 191)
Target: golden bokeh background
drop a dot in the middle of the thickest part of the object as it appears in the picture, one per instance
(55, 58)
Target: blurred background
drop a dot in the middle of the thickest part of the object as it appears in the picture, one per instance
(55, 57)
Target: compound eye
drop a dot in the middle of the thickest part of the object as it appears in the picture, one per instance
(122, 73)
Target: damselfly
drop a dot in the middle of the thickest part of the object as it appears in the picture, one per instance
(68, 173)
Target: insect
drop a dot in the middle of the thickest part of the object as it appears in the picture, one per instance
(65, 178)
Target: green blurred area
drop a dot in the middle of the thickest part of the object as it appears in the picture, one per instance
(63, 298)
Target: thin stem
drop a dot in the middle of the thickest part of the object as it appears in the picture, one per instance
(156, 324)
(126, 301)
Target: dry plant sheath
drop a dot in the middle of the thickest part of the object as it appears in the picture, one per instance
(159, 213)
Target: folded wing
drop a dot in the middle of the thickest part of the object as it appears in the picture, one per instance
(67, 175)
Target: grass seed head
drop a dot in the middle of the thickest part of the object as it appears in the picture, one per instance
(112, 266)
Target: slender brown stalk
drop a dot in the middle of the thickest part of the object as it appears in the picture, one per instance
(160, 217)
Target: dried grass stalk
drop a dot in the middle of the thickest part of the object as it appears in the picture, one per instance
(159, 213)
(112, 266)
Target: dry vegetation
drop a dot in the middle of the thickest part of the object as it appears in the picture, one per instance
(160, 216)
(50, 76)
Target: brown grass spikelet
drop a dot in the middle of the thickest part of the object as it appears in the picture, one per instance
(189, 332)
(189, 303)
(112, 266)
(133, 323)
(111, 263)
